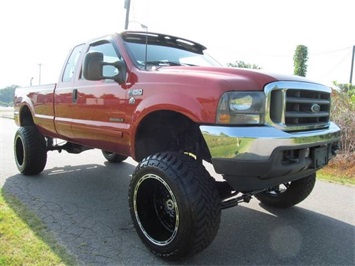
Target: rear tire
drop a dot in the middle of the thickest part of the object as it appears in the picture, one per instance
(30, 150)
(174, 205)
(114, 157)
(292, 193)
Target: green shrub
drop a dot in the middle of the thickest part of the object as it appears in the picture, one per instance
(343, 114)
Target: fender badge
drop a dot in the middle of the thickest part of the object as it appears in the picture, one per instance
(135, 92)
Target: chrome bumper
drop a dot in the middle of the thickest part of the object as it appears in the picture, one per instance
(258, 143)
(254, 158)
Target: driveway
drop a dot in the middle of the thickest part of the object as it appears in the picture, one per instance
(83, 201)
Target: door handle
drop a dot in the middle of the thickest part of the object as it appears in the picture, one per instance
(74, 96)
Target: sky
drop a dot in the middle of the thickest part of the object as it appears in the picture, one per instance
(38, 34)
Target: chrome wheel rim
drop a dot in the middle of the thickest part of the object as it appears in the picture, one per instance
(156, 209)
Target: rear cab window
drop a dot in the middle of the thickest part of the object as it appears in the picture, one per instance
(70, 66)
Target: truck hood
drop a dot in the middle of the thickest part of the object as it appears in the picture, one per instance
(236, 78)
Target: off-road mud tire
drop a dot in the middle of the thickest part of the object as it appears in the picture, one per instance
(30, 150)
(113, 157)
(295, 192)
(174, 205)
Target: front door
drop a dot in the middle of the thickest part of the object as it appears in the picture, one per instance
(98, 110)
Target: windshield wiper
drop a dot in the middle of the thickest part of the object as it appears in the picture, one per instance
(165, 63)
(162, 63)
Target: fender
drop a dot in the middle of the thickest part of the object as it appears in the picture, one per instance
(176, 102)
(19, 103)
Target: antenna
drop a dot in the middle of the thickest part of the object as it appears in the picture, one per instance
(146, 46)
(146, 42)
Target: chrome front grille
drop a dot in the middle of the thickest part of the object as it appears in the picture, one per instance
(295, 106)
(306, 107)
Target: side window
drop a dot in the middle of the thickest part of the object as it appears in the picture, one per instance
(71, 63)
(110, 56)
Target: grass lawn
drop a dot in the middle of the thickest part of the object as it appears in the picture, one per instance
(24, 239)
(336, 176)
(340, 169)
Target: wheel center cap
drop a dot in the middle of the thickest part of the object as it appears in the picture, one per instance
(169, 204)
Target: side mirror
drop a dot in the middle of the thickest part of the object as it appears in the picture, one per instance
(94, 68)
(120, 78)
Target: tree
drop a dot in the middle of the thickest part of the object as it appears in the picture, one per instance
(7, 95)
(242, 64)
(300, 60)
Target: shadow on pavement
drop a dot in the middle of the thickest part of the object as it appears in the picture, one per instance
(86, 208)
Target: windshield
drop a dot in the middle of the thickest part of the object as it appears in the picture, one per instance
(165, 50)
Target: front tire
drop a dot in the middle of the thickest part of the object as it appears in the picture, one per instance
(30, 150)
(288, 194)
(174, 205)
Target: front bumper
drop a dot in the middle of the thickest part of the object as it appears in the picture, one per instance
(251, 158)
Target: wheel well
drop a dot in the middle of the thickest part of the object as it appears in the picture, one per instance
(26, 117)
(169, 131)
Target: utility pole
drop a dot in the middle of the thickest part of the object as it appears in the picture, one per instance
(39, 75)
(352, 66)
(127, 6)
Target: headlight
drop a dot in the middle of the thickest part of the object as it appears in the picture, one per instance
(241, 108)
(241, 103)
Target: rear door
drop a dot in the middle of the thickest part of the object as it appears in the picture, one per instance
(63, 94)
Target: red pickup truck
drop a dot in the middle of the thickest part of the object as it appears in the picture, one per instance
(163, 101)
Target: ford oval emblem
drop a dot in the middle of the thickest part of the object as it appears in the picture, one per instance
(315, 108)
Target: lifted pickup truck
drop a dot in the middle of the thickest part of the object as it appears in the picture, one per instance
(164, 102)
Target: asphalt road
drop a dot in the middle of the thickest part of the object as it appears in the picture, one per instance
(83, 201)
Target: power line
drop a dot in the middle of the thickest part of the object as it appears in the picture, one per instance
(330, 52)
(288, 55)
(339, 63)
